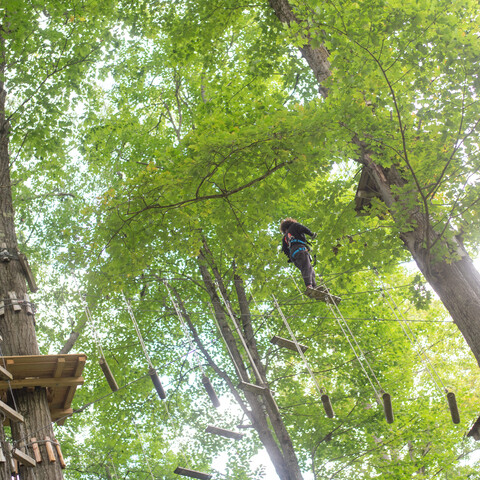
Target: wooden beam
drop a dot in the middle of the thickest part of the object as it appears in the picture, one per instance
(252, 388)
(224, 433)
(10, 413)
(23, 458)
(80, 365)
(57, 413)
(192, 473)
(5, 374)
(112, 383)
(69, 396)
(285, 343)
(42, 382)
(59, 368)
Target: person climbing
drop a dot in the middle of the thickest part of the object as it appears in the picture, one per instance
(296, 248)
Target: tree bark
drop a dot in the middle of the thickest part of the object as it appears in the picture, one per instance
(16, 327)
(456, 282)
(262, 407)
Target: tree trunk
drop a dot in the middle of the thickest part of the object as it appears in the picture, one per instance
(456, 282)
(263, 408)
(17, 327)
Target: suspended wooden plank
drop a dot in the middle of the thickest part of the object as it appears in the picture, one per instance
(327, 405)
(2, 456)
(192, 473)
(10, 413)
(285, 343)
(156, 382)
(59, 368)
(23, 458)
(108, 374)
(36, 450)
(27, 271)
(5, 374)
(319, 293)
(387, 407)
(2, 308)
(211, 392)
(224, 433)
(252, 388)
(452, 405)
(50, 452)
(475, 430)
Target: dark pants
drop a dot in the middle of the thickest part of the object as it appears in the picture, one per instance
(301, 260)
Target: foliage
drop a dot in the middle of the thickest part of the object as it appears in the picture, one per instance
(157, 126)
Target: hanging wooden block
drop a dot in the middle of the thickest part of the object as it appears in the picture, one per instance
(27, 271)
(285, 343)
(108, 374)
(23, 458)
(13, 298)
(224, 433)
(252, 388)
(5, 374)
(2, 308)
(28, 305)
(60, 455)
(475, 430)
(50, 452)
(327, 405)
(452, 405)
(156, 382)
(211, 392)
(10, 413)
(36, 450)
(192, 473)
(2, 456)
(387, 407)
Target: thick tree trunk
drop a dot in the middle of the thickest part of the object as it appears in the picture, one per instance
(456, 282)
(263, 409)
(16, 327)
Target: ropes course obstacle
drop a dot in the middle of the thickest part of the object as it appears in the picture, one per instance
(152, 371)
(101, 357)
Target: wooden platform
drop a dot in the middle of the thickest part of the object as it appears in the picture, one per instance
(60, 374)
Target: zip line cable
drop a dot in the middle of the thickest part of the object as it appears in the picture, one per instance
(145, 458)
(452, 402)
(424, 359)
